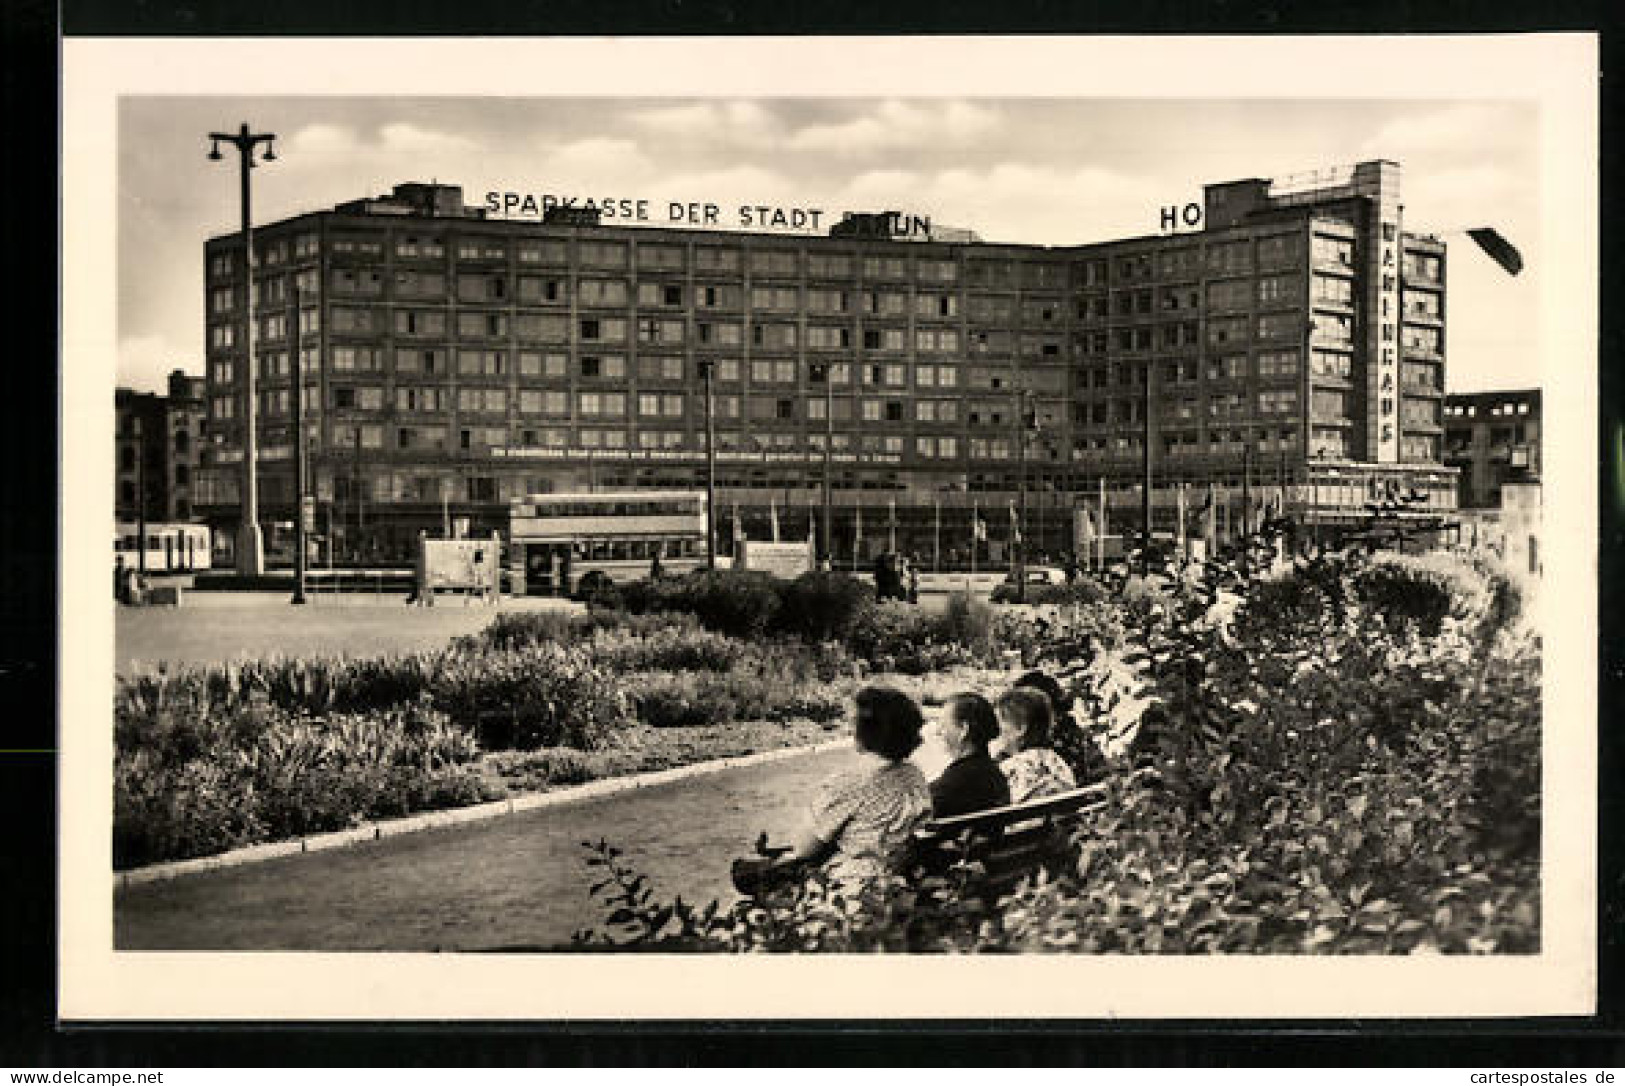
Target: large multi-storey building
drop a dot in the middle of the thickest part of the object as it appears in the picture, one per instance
(1492, 438)
(453, 360)
(158, 441)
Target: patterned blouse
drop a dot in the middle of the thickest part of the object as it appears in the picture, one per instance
(1035, 773)
(867, 816)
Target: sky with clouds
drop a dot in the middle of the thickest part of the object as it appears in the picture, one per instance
(1042, 171)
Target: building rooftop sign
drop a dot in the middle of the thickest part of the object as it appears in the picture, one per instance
(567, 210)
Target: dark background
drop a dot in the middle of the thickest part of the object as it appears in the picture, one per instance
(29, 1032)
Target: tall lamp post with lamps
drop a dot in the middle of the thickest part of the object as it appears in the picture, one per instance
(706, 367)
(250, 544)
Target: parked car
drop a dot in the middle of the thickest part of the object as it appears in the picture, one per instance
(1005, 590)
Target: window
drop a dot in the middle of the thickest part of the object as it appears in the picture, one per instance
(539, 290)
(1426, 340)
(607, 292)
(416, 399)
(1229, 256)
(1329, 403)
(1422, 266)
(482, 363)
(1333, 364)
(610, 366)
(1279, 250)
(482, 325)
(1333, 327)
(1231, 294)
(1226, 330)
(542, 328)
(1277, 363)
(660, 257)
(885, 267)
(821, 337)
(602, 330)
(775, 298)
(1330, 250)
(420, 322)
(1331, 290)
(720, 333)
(652, 330)
(829, 265)
(1279, 325)
(716, 260)
(542, 252)
(936, 340)
(1275, 289)
(489, 401)
(781, 336)
(414, 360)
(602, 254)
(659, 294)
(1277, 401)
(1422, 304)
(357, 359)
(779, 262)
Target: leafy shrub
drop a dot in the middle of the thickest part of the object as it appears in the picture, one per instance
(739, 603)
(512, 630)
(1081, 591)
(678, 646)
(542, 695)
(972, 623)
(665, 700)
(294, 775)
(597, 590)
(824, 606)
(704, 699)
(1322, 777)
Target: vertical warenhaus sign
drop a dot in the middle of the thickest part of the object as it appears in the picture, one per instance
(1382, 320)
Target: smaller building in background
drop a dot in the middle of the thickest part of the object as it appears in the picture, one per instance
(1494, 439)
(156, 439)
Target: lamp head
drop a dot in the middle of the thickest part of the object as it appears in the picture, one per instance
(270, 152)
(214, 152)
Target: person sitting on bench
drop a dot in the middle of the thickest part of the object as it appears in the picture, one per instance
(1032, 769)
(972, 781)
(860, 824)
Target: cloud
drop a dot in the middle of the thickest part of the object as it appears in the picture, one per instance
(320, 141)
(144, 362)
(895, 124)
(599, 160)
(411, 139)
(709, 120)
(1013, 201)
(1450, 129)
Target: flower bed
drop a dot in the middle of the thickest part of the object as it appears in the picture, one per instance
(211, 758)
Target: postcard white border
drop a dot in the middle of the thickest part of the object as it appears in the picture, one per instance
(1558, 72)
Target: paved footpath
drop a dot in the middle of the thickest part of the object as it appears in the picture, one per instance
(517, 880)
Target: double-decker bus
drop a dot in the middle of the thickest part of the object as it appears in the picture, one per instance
(171, 548)
(556, 539)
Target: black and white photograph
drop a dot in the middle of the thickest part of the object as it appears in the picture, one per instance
(904, 527)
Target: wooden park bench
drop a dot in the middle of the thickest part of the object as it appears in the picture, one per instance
(1010, 842)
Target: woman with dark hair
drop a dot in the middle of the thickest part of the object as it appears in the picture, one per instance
(1030, 766)
(1067, 738)
(860, 823)
(972, 781)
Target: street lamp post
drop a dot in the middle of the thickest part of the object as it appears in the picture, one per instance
(297, 364)
(1146, 465)
(250, 544)
(1025, 418)
(140, 495)
(829, 453)
(706, 367)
